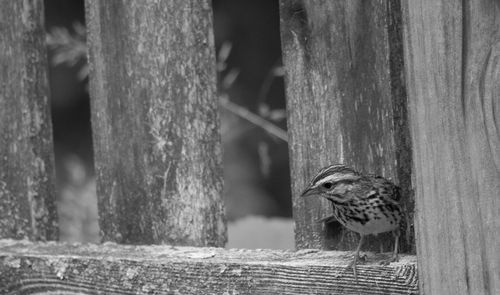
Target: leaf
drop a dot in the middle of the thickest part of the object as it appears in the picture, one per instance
(264, 158)
(263, 110)
(229, 78)
(277, 115)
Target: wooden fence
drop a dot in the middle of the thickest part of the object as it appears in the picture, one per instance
(158, 155)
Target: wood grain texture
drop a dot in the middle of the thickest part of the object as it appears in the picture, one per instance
(27, 196)
(346, 104)
(121, 269)
(155, 122)
(453, 69)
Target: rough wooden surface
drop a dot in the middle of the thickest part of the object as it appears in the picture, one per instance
(27, 205)
(346, 104)
(453, 69)
(155, 122)
(120, 269)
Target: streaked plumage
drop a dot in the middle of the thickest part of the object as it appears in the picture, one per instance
(366, 204)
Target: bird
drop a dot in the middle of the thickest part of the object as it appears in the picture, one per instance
(363, 203)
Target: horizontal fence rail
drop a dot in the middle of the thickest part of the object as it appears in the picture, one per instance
(119, 269)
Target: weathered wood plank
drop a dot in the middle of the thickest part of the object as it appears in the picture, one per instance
(27, 195)
(453, 69)
(155, 122)
(346, 103)
(121, 269)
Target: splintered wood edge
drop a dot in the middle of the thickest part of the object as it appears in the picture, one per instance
(123, 269)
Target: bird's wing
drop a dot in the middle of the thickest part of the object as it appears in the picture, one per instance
(383, 188)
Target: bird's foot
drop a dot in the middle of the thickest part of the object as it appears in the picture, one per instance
(394, 258)
(357, 258)
(353, 266)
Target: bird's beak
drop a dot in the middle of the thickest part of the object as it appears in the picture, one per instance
(310, 191)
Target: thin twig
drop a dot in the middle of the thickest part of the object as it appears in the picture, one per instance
(254, 119)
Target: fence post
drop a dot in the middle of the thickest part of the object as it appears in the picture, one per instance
(155, 122)
(27, 194)
(346, 103)
(452, 52)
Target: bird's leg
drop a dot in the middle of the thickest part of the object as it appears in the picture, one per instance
(356, 257)
(394, 257)
(396, 244)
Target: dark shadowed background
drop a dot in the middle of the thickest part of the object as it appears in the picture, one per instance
(256, 171)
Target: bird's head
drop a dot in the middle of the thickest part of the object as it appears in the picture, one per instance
(332, 182)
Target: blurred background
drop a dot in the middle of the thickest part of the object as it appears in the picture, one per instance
(253, 123)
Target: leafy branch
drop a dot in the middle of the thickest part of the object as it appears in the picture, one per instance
(70, 49)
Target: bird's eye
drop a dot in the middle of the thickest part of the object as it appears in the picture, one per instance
(327, 185)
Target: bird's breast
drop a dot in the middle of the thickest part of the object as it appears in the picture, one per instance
(369, 218)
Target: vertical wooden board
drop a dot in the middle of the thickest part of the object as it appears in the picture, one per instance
(27, 196)
(453, 68)
(345, 93)
(481, 100)
(155, 122)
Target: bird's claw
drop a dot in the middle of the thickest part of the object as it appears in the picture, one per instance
(354, 262)
(394, 258)
(352, 265)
